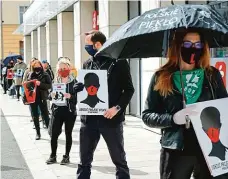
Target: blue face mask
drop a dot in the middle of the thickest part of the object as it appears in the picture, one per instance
(90, 50)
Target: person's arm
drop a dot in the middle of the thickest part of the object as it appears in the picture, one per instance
(73, 95)
(154, 114)
(47, 85)
(220, 89)
(127, 85)
(25, 76)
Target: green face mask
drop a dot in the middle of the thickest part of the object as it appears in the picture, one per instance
(193, 83)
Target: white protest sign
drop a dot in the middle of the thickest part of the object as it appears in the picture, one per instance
(19, 72)
(4, 70)
(210, 125)
(93, 100)
(59, 89)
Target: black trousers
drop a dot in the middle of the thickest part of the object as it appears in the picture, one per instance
(89, 138)
(18, 90)
(174, 165)
(42, 104)
(60, 116)
(7, 83)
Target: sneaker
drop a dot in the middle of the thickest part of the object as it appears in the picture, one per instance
(51, 160)
(65, 160)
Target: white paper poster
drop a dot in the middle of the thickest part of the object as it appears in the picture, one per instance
(19, 72)
(211, 127)
(93, 100)
(59, 89)
(4, 70)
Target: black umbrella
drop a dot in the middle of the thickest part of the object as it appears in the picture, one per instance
(148, 35)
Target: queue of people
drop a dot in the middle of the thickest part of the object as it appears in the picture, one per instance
(180, 156)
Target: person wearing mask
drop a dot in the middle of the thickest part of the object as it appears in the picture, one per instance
(7, 82)
(110, 126)
(63, 113)
(19, 70)
(47, 68)
(43, 82)
(181, 154)
(73, 70)
(25, 79)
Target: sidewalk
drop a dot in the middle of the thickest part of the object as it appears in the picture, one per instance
(142, 147)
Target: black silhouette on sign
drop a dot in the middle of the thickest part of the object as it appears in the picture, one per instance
(210, 119)
(31, 88)
(91, 83)
(59, 96)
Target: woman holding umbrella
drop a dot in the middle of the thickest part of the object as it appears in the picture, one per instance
(181, 154)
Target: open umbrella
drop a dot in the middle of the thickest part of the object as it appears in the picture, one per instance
(148, 35)
(10, 57)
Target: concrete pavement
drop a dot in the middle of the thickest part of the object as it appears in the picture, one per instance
(142, 147)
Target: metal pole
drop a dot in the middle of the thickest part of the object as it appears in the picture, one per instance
(1, 23)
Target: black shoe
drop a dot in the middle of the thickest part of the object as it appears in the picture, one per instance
(51, 160)
(65, 160)
(4, 93)
(38, 136)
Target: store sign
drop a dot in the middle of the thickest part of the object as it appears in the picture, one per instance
(221, 64)
(95, 20)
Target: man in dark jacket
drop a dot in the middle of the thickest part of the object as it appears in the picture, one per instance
(110, 126)
(47, 68)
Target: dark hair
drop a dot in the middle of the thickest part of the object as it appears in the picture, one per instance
(97, 36)
(91, 79)
(19, 58)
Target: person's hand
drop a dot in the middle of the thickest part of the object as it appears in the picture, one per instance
(52, 95)
(38, 83)
(78, 87)
(180, 117)
(67, 95)
(110, 113)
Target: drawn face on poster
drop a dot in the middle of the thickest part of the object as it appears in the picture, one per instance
(31, 88)
(91, 83)
(210, 119)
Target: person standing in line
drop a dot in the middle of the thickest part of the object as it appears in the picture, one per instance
(73, 70)
(110, 125)
(43, 85)
(19, 70)
(48, 69)
(63, 112)
(181, 155)
(7, 82)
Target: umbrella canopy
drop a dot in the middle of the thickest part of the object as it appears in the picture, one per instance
(11, 57)
(148, 35)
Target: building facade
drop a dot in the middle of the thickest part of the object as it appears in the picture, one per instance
(11, 17)
(55, 28)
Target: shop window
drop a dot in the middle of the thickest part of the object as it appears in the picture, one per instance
(22, 9)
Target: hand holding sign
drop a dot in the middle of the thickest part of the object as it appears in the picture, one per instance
(180, 117)
(38, 83)
(110, 113)
(67, 95)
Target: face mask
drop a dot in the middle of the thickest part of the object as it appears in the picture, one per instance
(191, 55)
(213, 134)
(37, 69)
(90, 50)
(64, 73)
(92, 90)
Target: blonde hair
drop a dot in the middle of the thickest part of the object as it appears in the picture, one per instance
(62, 60)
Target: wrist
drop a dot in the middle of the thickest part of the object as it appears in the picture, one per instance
(118, 108)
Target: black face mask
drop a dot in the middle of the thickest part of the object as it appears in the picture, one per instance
(37, 69)
(191, 55)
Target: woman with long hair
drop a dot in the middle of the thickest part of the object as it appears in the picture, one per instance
(63, 112)
(43, 82)
(181, 154)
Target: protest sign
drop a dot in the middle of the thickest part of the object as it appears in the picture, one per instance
(30, 91)
(9, 74)
(59, 89)
(93, 100)
(210, 124)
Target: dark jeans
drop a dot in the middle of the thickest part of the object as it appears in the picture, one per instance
(60, 116)
(42, 104)
(89, 138)
(174, 165)
(18, 90)
(7, 83)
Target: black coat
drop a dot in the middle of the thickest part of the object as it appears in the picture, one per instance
(120, 87)
(71, 103)
(159, 110)
(42, 92)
